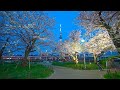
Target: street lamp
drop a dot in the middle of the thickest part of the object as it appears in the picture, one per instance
(84, 53)
(82, 40)
(111, 53)
(46, 55)
(104, 55)
(84, 61)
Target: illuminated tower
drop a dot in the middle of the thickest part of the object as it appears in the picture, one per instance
(60, 43)
(60, 34)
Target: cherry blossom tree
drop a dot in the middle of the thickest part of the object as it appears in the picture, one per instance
(100, 44)
(105, 20)
(72, 46)
(32, 28)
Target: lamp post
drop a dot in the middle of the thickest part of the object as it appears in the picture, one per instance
(9, 54)
(40, 55)
(104, 56)
(84, 53)
(106, 64)
(111, 53)
(84, 61)
(46, 55)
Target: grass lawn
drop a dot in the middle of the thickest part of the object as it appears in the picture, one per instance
(9, 71)
(112, 75)
(79, 66)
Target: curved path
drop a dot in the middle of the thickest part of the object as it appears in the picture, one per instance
(68, 73)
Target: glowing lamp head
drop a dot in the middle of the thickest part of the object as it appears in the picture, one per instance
(82, 40)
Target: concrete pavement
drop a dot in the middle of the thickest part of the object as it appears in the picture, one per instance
(68, 73)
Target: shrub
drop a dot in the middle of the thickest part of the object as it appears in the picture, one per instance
(112, 75)
(79, 66)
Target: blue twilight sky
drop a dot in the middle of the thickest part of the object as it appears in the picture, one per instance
(67, 21)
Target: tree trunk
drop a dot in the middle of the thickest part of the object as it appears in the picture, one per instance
(75, 59)
(95, 58)
(0, 55)
(1, 52)
(24, 62)
(27, 52)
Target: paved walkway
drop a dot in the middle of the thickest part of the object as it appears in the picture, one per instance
(68, 73)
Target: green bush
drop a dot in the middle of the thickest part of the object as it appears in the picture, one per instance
(79, 66)
(103, 63)
(112, 75)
